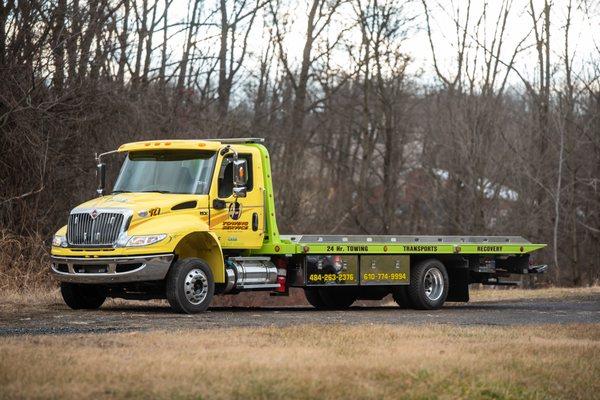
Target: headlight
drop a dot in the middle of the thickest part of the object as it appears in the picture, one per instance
(145, 240)
(59, 241)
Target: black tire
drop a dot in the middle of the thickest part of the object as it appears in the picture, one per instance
(337, 298)
(82, 297)
(190, 277)
(314, 298)
(435, 273)
(400, 296)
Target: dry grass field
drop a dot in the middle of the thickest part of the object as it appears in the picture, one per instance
(368, 361)
(514, 293)
(305, 362)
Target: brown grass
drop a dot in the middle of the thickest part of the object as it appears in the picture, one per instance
(306, 362)
(24, 263)
(557, 293)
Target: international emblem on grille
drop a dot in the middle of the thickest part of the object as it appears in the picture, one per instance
(94, 214)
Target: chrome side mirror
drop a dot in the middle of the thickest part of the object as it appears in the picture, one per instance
(101, 174)
(239, 191)
(240, 177)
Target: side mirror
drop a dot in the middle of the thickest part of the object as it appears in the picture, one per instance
(239, 191)
(240, 177)
(101, 174)
(240, 172)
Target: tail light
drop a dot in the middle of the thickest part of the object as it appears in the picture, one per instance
(281, 275)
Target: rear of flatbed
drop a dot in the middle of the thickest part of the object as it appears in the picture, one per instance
(373, 266)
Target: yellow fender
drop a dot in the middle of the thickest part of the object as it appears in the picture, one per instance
(204, 245)
(189, 236)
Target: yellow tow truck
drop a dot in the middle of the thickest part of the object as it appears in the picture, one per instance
(189, 219)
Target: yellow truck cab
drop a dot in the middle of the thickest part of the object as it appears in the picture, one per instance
(188, 219)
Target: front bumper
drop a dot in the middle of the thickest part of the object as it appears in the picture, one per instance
(111, 269)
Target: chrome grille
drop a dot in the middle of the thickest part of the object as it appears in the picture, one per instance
(83, 230)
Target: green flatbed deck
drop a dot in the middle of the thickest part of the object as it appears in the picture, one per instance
(400, 244)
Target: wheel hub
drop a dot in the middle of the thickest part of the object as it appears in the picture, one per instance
(196, 286)
(433, 284)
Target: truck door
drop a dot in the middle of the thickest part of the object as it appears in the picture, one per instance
(238, 224)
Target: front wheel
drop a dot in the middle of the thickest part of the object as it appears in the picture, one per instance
(82, 297)
(429, 285)
(190, 286)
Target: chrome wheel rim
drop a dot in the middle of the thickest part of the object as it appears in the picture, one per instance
(433, 282)
(196, 286)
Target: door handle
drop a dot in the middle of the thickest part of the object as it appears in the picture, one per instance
(219, 204)
(255, 222)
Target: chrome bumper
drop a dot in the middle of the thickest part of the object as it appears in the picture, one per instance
(111, 269)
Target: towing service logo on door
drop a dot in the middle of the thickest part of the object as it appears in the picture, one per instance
(235, 210)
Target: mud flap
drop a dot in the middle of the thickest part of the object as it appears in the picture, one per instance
(459, 284)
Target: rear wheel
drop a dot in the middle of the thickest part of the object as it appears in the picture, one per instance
(314, 298)
(190, 286)
(82, 297)
(330, 298)
(337, 298)
(429, 285)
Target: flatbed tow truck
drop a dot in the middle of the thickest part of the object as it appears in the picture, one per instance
(189, 219)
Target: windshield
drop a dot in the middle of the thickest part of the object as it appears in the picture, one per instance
(176, 171)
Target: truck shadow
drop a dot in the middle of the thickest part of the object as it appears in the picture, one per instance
(164, 309)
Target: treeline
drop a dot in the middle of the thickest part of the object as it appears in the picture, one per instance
(502, 137)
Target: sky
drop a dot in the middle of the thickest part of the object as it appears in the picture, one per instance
(584, 35)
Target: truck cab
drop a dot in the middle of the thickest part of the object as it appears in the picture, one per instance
(187, 219)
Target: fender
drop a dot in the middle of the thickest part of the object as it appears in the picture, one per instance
(206, 246)
(189, 236)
